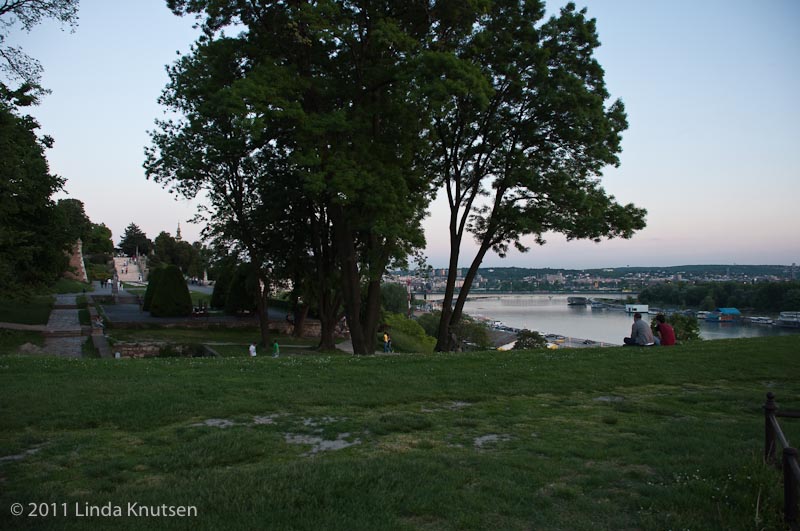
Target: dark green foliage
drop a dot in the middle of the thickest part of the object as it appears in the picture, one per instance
(471, 334)
(221, 287)
(99, 240)
(33, 239)
(394, 298)
(153, 279)
(242, 294)
(430, 322)
(685, 326)
(763, 296)
(169, 250)
(72, 216)
(528, 340)
(135, 241)
(407, 335)
(171, 297)
(525, 120)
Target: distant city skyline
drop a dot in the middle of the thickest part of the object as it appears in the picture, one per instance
(711, 151)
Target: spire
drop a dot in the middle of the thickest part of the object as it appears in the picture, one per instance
(178, 236)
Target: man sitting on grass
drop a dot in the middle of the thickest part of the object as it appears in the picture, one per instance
(641, 335)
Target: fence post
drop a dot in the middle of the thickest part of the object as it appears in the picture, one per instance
(769, 429)
(789, 488)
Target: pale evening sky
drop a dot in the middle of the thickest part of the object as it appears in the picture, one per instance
(712, 151)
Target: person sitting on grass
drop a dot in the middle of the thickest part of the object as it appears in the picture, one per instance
(664, 332)
(641, 335)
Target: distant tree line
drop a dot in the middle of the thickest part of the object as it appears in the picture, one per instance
(763, 296)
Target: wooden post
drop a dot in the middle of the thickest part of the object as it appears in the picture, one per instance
(790, 487)
(769, 429)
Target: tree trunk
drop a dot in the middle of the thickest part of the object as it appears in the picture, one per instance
(468, 279)
(444, 340)
(371, 315)
(300, 315)
(328, 318)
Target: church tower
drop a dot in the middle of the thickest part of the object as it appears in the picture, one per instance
(178, 235)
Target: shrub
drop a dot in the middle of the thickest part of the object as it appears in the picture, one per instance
(528, 340)
(430, 322)
(242, 293)
(171, 297)
(472, 334)
(394, 298)
(685, 326)
(407, 335)
(152, 285)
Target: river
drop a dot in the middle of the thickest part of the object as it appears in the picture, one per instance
(550, 314)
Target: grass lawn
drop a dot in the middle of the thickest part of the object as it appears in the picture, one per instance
(64, 285)
(11, 340)
(31, 310)
(213, 334)
(584, 439)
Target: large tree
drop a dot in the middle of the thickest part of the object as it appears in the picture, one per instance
(521, 135)
(134, 241)
(315, 107)
(99, 240)
(33, 244)
(76, 224)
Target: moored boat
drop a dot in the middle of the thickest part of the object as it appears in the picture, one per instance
(724, 315)
(577, 301)
(789, 320)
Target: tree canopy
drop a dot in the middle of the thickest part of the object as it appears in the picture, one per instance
(134, 241)
(33, 244)
(319, 131)
(521, 135)
(305, 131)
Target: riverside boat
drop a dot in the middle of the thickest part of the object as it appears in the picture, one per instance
(724, 315)
(789, 320)
(577, 301)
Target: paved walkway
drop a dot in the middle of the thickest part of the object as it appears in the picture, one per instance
(63, 335)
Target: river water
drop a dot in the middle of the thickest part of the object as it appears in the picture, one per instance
(550, 314)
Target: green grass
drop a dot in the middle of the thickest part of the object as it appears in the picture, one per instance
(212, 334)
(64, 285)
(578, 439)
(11, 340)
(30, 310)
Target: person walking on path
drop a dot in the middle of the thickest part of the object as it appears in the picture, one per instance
(641, 335)
(276, 349)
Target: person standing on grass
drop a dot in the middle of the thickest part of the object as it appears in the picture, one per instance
(276, 349)
(641, 335)
(252, 350)
(387, 342)
(664, 331)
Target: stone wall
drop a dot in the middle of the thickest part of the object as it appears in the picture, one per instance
(150, 349)
(76, 269)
